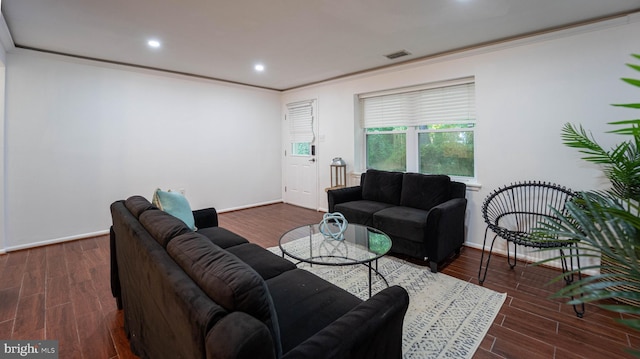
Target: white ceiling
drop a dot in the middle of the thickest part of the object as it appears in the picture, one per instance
(299, 41)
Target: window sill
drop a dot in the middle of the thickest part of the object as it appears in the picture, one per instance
(473, 186)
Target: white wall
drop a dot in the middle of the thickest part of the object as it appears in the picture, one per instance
(2, 146)
(6, 43)
(526, 91)
(80, 135)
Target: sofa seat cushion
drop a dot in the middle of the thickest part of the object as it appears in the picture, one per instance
(360, 212)
(221, 237)
(162, 226)
(382, 186)
(402, 222)
(267, 264)
(305, 304)
(424, 191)
(225, 279)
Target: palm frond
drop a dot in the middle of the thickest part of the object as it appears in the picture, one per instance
(634, 66)
(600, 224)
(627, 105)
(603, 224)
(585, 143)
(633, 82)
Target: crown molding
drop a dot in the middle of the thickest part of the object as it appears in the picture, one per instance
(6, 41)
(492, 46)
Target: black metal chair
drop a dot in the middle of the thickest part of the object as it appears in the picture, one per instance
(513, 213)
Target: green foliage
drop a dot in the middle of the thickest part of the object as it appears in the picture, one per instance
(446, 152)
(602, 225)
(387, 151)
(605, 222)
(620, 164)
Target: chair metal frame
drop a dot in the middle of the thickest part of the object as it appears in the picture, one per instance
(513, 212)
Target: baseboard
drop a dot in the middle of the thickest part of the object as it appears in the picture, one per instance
(530, 259)
(56, 240)
(105, 232)
(520, 256)
(232, 209)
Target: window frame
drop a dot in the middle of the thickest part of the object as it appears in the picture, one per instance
(412, 131)
(393, 132)
(301, 118)
(447, 130)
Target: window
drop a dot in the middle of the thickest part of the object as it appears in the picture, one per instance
(429, 129)
(300, 116)
(446, 149)
(387, 148)
(301, 149)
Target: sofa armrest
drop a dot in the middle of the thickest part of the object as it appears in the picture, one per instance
(239, 335)
(115, 277)
(341, 195)
(445, 223)
(373, 329)
(205, 218)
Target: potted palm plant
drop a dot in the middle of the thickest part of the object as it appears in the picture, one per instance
(606, 224)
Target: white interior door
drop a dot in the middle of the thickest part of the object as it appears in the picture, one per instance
(301, 170)
(301, 181)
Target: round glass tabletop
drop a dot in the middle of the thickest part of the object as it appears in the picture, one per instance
(359, 244)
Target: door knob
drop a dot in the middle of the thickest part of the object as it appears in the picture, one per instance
(312, 160)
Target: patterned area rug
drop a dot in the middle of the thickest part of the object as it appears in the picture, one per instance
(447, 317)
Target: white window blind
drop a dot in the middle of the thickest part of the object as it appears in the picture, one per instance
(300, 117)
(446, 104)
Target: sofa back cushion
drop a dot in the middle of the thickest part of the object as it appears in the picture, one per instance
(227, 280)
(382, 186)
(162, 226)
(138, 204)
(458, 190)
(162, 305)
(424, 191)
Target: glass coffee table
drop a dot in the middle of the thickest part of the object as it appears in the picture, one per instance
(359, 245)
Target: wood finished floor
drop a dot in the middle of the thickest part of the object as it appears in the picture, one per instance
(62, 292)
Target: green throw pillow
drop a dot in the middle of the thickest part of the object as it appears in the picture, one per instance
(176, 205)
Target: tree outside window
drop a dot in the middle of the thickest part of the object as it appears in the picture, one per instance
(427, 129)
(446, 149)
(438, 149)
(387, 148)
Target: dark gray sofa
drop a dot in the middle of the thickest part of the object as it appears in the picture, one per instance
(212, 294)
(423, 214)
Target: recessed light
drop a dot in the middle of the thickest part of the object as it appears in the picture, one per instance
(259, 67)
(153, 43)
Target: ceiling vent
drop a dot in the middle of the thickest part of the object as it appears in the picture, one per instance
(397, 54)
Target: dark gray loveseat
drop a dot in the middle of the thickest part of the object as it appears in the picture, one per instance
(211, 294)
(423, 214)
